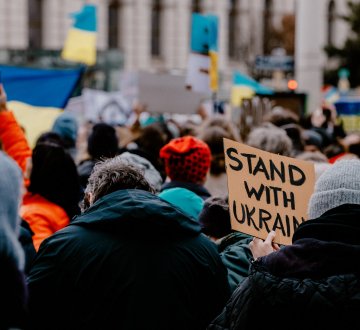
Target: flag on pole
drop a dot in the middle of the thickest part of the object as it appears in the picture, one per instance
(80, 44)
(203, 61)
(246, 87)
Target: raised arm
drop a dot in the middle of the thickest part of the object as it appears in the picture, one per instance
(11, 135)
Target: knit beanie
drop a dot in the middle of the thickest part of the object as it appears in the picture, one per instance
(67, 127)
(184, 199)
(187, 159)
(215, 217)
(338, 185)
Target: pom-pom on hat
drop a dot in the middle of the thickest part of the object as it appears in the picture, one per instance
(187, 159)
(339, 185)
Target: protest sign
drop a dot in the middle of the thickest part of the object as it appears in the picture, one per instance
(109, 107)
(267, 191)
(165, 93)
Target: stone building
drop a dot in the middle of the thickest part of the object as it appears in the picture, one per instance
(154, 34)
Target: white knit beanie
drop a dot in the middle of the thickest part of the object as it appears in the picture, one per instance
(339, 185)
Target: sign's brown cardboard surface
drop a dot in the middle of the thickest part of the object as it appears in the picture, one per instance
(267, 191)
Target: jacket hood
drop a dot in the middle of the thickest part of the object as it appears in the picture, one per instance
(139, 210)
(10, 196)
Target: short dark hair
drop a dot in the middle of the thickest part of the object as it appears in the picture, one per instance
(54, 176)
(111, 175)
(215, 217)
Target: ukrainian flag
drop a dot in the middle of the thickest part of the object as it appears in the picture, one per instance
(246, 87)
(80, 44)
(204, 41)
(37, 96)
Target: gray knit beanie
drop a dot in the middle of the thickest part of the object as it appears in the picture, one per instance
(339, 185)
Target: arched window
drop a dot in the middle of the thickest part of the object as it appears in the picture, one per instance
(196, 6)
(113, 24)
(268, 16)
(35, 14)
(331, 22)
(233, 33)
(156, 28)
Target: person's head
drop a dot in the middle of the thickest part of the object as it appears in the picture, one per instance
(213, 137)
(152, 138)
(313, 140)
(187, 159)
(280, 117)
(270, 138)
(185, 200)
(215, 218)
(54, 176)
(50, 137)
(67, 127)
(294, 132)
(111, 175)
(150, 173)
(10, 196)
(337, 186)
(220, 121)
(102, 142)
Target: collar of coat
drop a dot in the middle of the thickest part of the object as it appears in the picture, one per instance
(137, 210)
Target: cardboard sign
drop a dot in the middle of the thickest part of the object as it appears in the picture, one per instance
(165, 93)
(267, 191)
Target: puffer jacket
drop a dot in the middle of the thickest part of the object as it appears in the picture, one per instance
(312, 284)
(131, 261)
(236, 255)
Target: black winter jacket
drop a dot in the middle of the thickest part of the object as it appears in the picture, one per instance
(131, 261)
(312, 284)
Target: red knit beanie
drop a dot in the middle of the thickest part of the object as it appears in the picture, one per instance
(187, 159)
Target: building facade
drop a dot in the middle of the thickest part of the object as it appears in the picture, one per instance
(154, 34)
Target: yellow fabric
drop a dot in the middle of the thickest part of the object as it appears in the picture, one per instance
(214, 85)
(35, 120)
(238, 93)
(80, 46)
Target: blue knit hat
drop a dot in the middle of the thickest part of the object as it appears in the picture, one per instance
(185, 200)
(67, 127)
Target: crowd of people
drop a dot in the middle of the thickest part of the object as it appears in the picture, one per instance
(108, 227)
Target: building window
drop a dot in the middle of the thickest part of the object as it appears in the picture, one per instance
(233, 33)
(331, 22)
(268, 28)
(196, 6)
(113, 24)
(35, 23)
(156, 28)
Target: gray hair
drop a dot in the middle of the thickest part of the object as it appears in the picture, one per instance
(270, 138)
(111, 175)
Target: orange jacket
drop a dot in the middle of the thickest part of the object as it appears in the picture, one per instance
(43, 216)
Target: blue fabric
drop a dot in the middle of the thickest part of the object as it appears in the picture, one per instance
(185, 200)
(86, 18)
(204, 33)
(40, 87)
(348, 107)
(240, 79)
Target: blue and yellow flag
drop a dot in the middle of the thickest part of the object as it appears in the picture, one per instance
(80, 44)
(246, 87)
(204, 41)
(37, 96)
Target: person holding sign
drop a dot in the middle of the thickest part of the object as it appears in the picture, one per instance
(313, 283)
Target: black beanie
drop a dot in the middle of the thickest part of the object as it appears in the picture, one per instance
(102, 142)
(215, 217)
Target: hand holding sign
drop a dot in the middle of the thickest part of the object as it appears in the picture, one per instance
(260, 248)
(267, 191)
